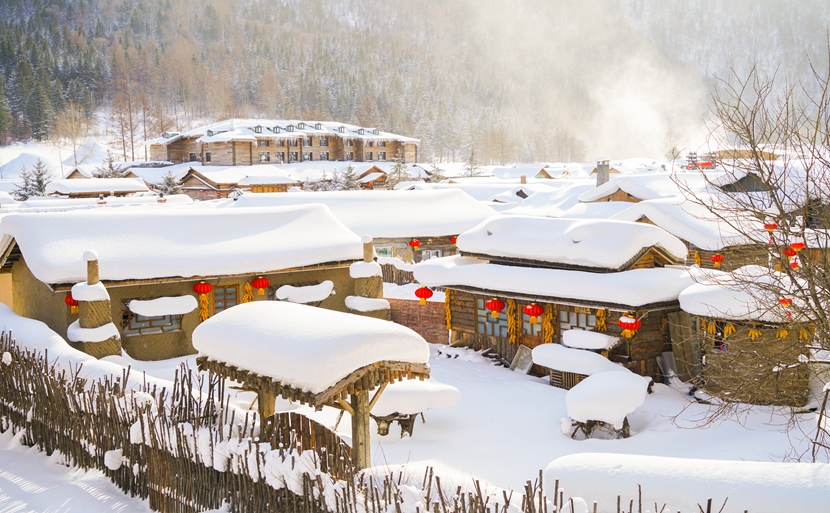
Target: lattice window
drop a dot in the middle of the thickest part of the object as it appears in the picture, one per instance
(224, 298)
(133, 325)
(487, 324)
(576, 318)
(532, 330)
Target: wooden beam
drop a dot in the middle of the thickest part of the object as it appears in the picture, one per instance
(345, 406)
(377, 396)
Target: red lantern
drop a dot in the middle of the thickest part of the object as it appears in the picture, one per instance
(71, 302)
(797, 246)
(202, 288)
(771, 227)
(260, 283)
(794, 263)
(533, 311)
(786, 301)
(630, 325)
(454, 240)
(495, 306)
(415, 243)
(788, 252)
(717, 258)
(423, 293)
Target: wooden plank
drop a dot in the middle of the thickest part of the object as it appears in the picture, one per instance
(685, 346)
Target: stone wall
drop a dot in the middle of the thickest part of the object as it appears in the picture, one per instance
(427, 320)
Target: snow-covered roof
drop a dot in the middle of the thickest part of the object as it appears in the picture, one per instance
(253, 129)
(519, 170)
(689, 221)
(647, 186)
(63, 203)
(583, 243)
(555, 202)
(390, 214)
(626, 290)
(96, 186)
(415, 396)
(137, 243)
(599, 210)
(520, 193)
(280, 345)
(750, 293)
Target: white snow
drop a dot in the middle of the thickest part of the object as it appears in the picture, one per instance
(7, 358)
(606, 396)
(90, 153)
(306, 294)
(172, 305)
(366, 304)
(366, 239)
(582, 339)
(145, 243)
(628, 288)
(414, 396)
(96, 186)
(90, 255)
(397, 263)
(365, 270)
(76, 333)
(302, 346)
(586, 243)
(393, 291)
(683, 483)
(114, 458)
(84, 292)
(647, 186)
(578, 361)
(392, 214)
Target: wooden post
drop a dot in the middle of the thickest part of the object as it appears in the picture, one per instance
(265, 403)
(92, 271)
(368, 249)
(361, 443)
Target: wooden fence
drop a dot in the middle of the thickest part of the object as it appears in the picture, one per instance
(187, 450)
(392, 274)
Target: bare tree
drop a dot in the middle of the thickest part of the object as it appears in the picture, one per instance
(72, 126)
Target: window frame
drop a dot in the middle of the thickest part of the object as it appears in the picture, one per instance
(486, 324)
(225, 307)
(172, 323)
(308, 156)
(324, 141)
(264, 156)
(368, 156)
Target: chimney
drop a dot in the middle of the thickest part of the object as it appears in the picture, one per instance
(368, 248)
(603, 168)
(523, 179)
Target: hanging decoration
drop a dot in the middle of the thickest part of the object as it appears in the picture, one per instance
(260, 283)
(788, 252)
(423, 293)
(454, 240)
(513, 327)
(717, 258)
(797, 245)
(630, 325)
(534, 311)
(602, 316)
(495, 306)
(782, 333)
(794, 264)
(712, 328)
(447, 310)
(203, 289)
(247, 293)
(786, 301)
(697, 259)
(753, 333)
(548, 327)
(729, 329)
(702, 326)
(415, 244)
(803, 334)
(72, 303)
(771, 227)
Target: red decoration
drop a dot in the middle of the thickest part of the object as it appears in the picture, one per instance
(495, 306)
(423, 294)
(717, 258)
(788, 252)
(260, 283)
(454, 240)
(797, 246)
(71, 302)
(415, 243)
(533, 311)
(630, 325)
(202, 288)
(786, 301)
(771, 227)
(794, 263)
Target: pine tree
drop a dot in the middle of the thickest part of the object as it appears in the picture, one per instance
(39, 111)
(33, 183)
(471, 164)
(168, 185)
(109, 169)
(349, 180)
(399, 172)
(5, 114)
(437, 173)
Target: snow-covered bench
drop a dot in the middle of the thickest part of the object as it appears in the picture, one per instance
(602, 402)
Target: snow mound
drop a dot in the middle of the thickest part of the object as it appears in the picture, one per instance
(76, 333)
(414, 396)
(85, 292)
(581, 339)
(11, 169)
(365, 270)
(684, 483)
(90, 152)
(173, 305)
(307, 294)
(578, 361)
(607, 397)
(366, 304)
(303, 346)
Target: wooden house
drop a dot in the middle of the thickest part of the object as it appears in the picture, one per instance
(636, 188)
(373, 178)
(738, 347)
(247, 142)
(222, 257)
(553, 275)
(95, 187)
(85, 171)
